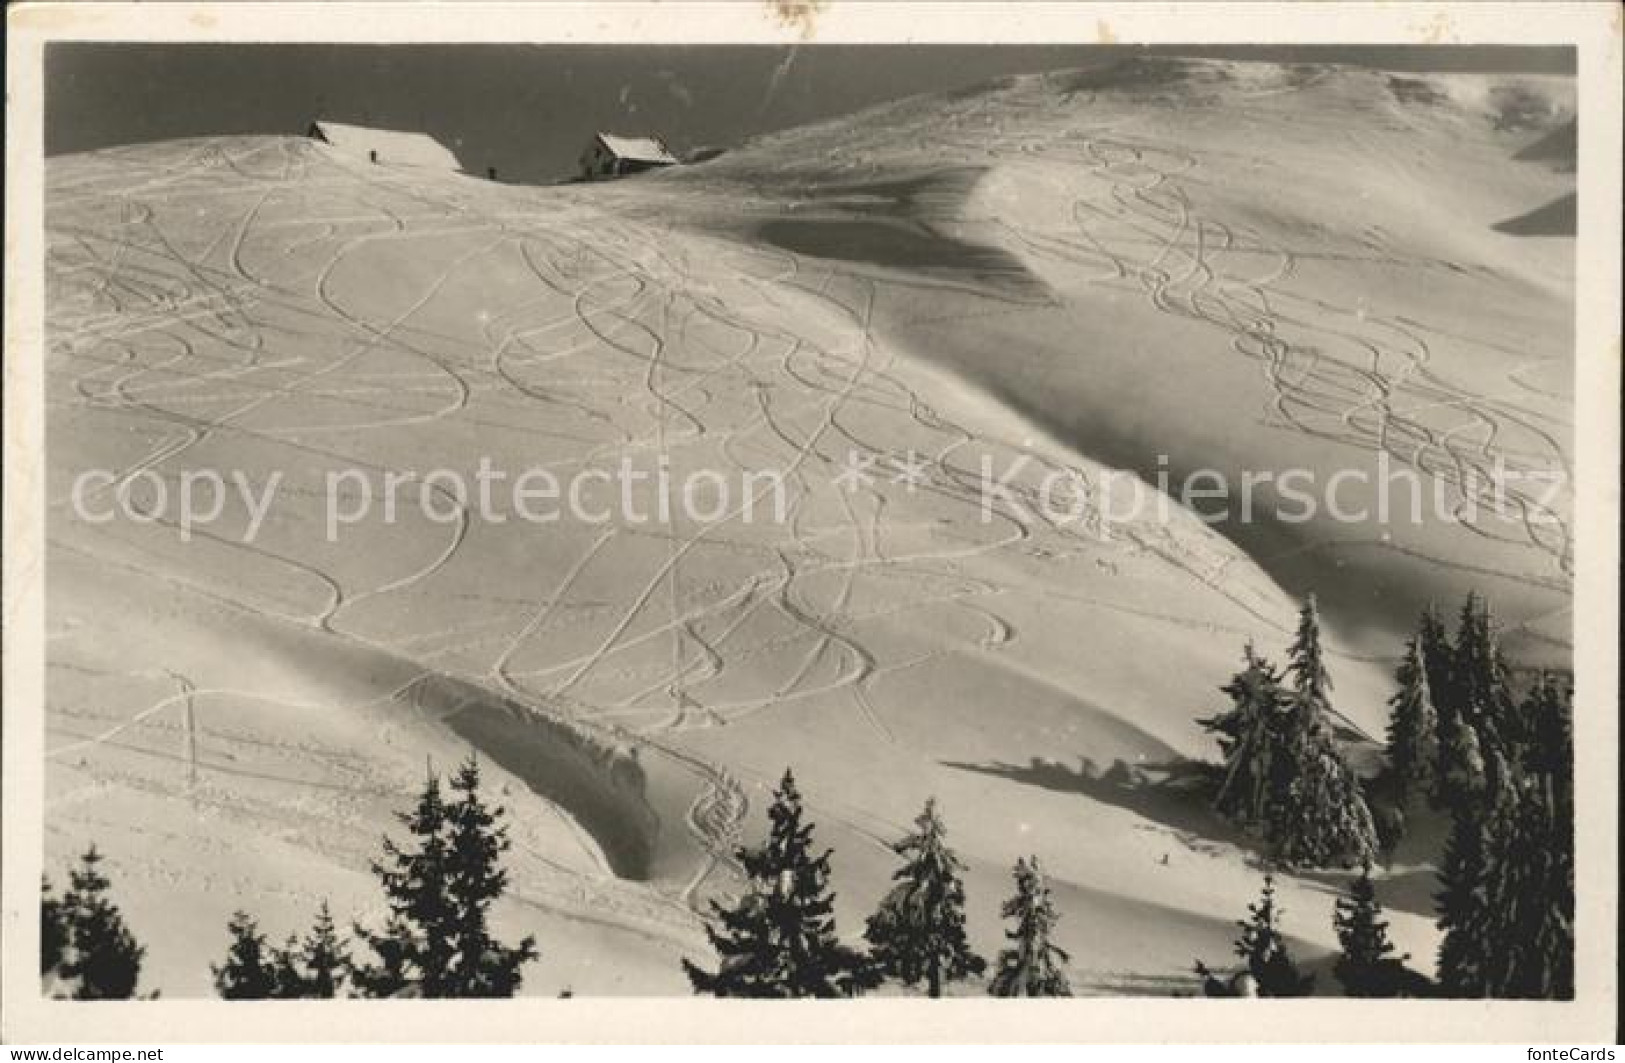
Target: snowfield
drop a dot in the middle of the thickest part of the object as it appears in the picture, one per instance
(1236, 266)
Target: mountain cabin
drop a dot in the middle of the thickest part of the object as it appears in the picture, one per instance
(386, 146)
(615, 156)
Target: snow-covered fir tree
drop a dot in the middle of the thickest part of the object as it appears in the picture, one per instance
(1468, 944)
(1032, 965)
(1413, 736)
(1438, 654)
(918, 933)
(1483, 683)
(1284, 776)
(779, 939)
(1248, 734)
(1529, 868)
(1310, 679)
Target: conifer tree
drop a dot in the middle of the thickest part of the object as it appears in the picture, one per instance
(1529, 906)
(779, 940)
(1461, 905)
(1284, 776)
(1438, 655)
(394, 971)
(1262, 948)
(1461, 778)
(1483, 684)
(325, 958)
(1463, 901)
(1321, 819)
(312, 968)
(1506, 900)
(435, 942)
(250, 970)
(1549, 711)
(286, 972)
(1529, 873)
(1321, 816)
(1249, 739)
(1388, 801)
(1033, 965)
(1413, 740)
(414, 948)
(1308, 661)
(1367, 966)
(103, 960)
(53, 930)
(918, 932)
(482, 966)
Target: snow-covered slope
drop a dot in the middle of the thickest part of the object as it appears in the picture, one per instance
(1236, 266)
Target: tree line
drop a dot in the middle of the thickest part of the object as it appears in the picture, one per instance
(435, 940)
(1459, 741)
(778, 939)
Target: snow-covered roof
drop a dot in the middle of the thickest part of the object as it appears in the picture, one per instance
(640, 149)
(392, 146)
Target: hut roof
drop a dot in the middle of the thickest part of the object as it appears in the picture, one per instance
(639, 149)
(394, 147)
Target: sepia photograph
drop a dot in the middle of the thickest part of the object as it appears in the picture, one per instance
(583, 517)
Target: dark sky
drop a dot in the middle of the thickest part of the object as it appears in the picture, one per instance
(529, 109)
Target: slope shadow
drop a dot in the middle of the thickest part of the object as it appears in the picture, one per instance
(1559, 148)
(1176, 794)
(904, 245)
(1556, 218)
(895, 221)
(1417, 91)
